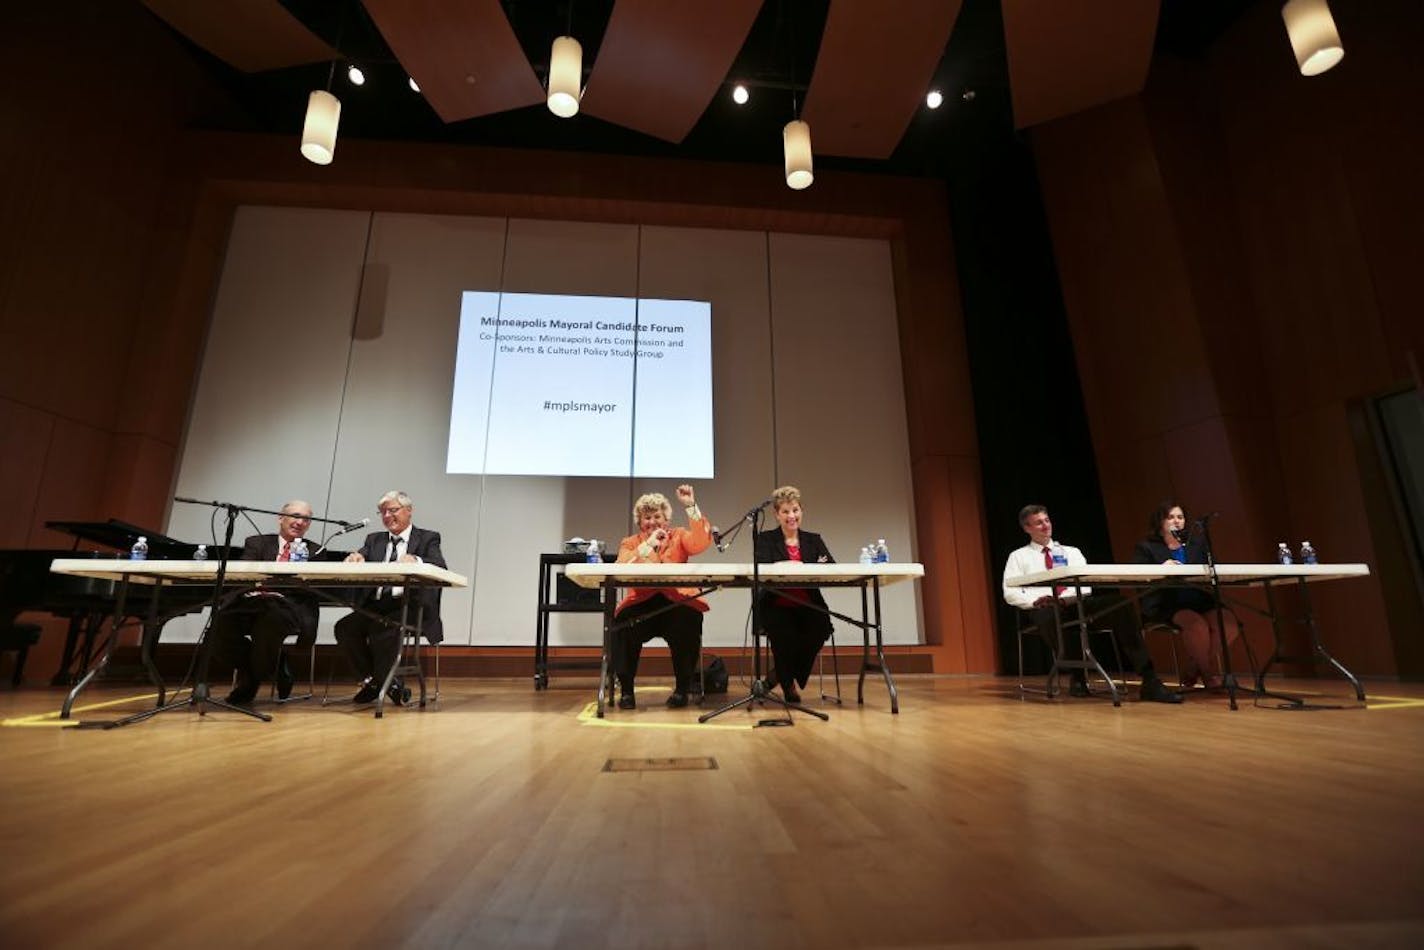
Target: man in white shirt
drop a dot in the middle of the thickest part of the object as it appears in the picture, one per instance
(1039, 602)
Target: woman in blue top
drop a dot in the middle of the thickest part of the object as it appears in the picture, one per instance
(1168, 543)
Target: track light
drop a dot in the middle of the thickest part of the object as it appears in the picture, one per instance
(740, 95)
(565, 76)
(1313, 36)
(796, 144)
(353, 73)
(319, 129)
(935, 99)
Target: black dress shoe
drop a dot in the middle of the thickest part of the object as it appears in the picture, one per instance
(1079, 689)
(241, 696)
(285, 680)
(1153, 691)
(243, 692)
(677, 700)
(367, 693)
(398, 694)
(626, 701)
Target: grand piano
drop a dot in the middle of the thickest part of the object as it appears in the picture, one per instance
(26, 585)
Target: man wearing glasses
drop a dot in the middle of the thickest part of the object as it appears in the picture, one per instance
(371, 636)
(248, 631)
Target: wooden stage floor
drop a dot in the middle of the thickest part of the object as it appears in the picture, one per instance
(510, 818)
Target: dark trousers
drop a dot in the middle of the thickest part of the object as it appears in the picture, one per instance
(796, 634)
(1117, 616)
(248, 635)
(372, 645)
(678, 624)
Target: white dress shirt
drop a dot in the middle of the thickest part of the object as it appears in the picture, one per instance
(402, 547)
(1029, 560)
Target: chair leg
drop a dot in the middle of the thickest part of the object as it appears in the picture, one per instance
(835, 672)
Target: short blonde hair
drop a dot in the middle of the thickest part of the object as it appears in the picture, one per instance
(649, 503)
(785, 495)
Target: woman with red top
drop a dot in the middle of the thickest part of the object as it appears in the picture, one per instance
(796, 629)
(673, 614)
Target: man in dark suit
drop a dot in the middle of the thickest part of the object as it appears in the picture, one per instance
(249, 629)
(371, 636)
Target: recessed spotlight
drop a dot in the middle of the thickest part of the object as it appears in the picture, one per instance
(411, 81)
(740, 95)
(353, 73)
(935, 99)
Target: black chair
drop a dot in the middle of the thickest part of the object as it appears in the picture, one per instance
(1174, 635)
(18, 637)
(1023, 629)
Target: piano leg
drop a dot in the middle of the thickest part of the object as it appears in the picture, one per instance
(64, 676)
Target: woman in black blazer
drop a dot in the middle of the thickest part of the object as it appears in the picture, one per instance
(796, 629)
(1167, 543)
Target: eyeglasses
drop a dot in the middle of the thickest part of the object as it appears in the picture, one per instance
(292, 517)
(390, 511)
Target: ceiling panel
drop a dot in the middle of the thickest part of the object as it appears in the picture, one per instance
(462, 53)
(1066, 57)
(251, 35)
(660, 63)
(874, 68)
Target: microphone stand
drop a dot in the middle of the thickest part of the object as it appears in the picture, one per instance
(200, 696)
(1228, 678)
(760, 692)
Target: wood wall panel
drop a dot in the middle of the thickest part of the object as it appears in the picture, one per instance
(25, 434)
(1239, 199)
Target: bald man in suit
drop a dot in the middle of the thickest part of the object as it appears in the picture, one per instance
(249, 629)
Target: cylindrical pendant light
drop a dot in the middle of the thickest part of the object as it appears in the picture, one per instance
(1312, 35)
(565, 76)
(796, 143)
(319, 130)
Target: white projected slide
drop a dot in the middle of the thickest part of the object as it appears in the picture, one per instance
(549, 384)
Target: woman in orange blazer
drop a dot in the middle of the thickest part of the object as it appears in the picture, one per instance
(675, 614)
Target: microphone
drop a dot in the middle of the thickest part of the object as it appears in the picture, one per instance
(721, 545)
(346, 528)
(753, 513)
(1180, 534)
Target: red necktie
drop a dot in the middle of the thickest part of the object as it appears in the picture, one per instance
(1048, 565)
(286, 553)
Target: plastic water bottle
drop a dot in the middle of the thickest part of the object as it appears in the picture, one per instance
(1283, 554)
(298, 551)
(201, 554)
(139, 552)
(1060, 557)
(865, 556)
(882, 553)
(594, 555)
(1307, 553)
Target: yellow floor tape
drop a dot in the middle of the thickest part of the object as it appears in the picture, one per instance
(52, 718)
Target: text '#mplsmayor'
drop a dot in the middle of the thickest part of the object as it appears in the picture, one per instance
(554, 405)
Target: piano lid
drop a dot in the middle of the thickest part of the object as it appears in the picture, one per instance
(121, 536)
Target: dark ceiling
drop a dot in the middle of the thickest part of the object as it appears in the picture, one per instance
(776, 60)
